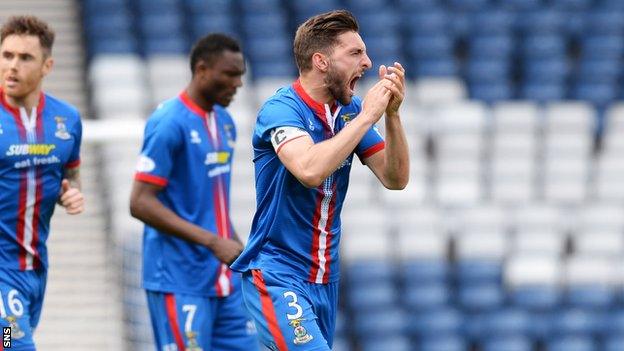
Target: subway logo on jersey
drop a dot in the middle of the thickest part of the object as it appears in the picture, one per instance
(30, 149)
(221, 157)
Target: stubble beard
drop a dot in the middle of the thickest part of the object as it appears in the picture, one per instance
(335, 83)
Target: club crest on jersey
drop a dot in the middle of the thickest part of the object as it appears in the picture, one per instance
(16, 332)
(195, 139)
(61, 128)
(229, 135)
(192, 344)
(301, 334)
(347, 117)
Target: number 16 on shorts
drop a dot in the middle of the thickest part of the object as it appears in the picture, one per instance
(6, 337)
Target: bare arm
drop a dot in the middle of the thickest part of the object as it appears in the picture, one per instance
(391, 165)
(145, 206)
(312, 163)
(70, 196)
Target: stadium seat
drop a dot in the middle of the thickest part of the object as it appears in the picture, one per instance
(373, 298)
(491, 92)
(506, 322)
(542, 93)
(442, 67)
(411, 5)
(490, 47)
(600, 94)
(508, 343)
(430, 46)
(469, 5)
(363, 273)
(479, 270)
(420, 296)
(602, 47)
(572, 4)
(571, 343)
(536, 297)
(496, 71)
(396, 342)
(546, 46)
(521, 4)
(162, 25)
(545, 21)
(546, 70)
(211, 8)
(577, 322)
(614, 343)
(445, 342)
(425, 271)
(435, 322)
(260, 6)
(381, 22)
(491, 21)
(208, 23)
(426, 22)
(261, 26)
(480, 296)
(373, 325)
(605, 22)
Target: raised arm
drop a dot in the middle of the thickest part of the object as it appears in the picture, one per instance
(312, 163)
(391, 165)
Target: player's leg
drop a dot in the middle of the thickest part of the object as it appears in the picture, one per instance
(179, 321)
(37, 300)
(233, 330)
(325, 300)
(16, 291)
(282, 312)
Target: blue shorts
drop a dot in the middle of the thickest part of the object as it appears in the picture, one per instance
(186, 322)
(291, 314)
(21, 299)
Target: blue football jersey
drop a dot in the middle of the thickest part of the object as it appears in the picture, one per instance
(296, 230)
(36, 147)
(188, 151)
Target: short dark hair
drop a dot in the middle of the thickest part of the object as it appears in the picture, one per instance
(210, 47)
(319, 34)
(29, 25)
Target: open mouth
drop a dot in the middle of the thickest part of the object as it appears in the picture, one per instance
(352, 83)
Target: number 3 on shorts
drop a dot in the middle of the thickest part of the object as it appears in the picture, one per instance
(294, 304)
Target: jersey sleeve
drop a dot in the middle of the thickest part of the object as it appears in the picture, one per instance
(74, 157)
(276, 114)
(372, 142)
(159, 146)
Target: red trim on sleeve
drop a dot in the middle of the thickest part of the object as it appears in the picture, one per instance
(152, 179)
(372, 150)
(287, 141)
(72, 164)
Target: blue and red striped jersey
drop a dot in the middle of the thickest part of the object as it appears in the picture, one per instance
(36, 147)
(188, 151)
(296, 230)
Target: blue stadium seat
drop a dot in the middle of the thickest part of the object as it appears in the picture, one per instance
(341, 323)
(171, 45)
(597, 297)
(424, 271)
(268, 49)
(441, 67)
(372, 325)
(260, 6)
(264, 25)
(541, 92)
(341, 344)
(605, 21)
(574, 321)
(614, 321)
(544, 46)
(376, 297)
(315, 7)
(614, 343)
(572, 343)
(611, 4)
(426, 22)
(461, 24)
(120, 45)
(363, 273)
(473, 326)
(521, 4)
(365, 6)
(575, 24)
(390, 342)
(154, 7)
(444, 342)
(204, 24)
(162, 25)
(209, 8)
(535, 298)
(541, 326)
(416, 5)
(94, 7)
(572, 4)
(488, 70)
(379, 23)
(491, 46)
(546, 70)
(491, 91)
(493, 21)
(469, 4)
(108, 25)
(422, 296)
(508, 343)
(600, 94)
(435, 322)
(480, 297)
(430, 46)
(478, 271)
(602, 47)
(507, 321)
(383, 46)
(542, 21)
